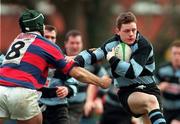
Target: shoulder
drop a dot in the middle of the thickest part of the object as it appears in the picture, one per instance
(165, 65)
(143, 42)
(141, 45)
(49, 43)
(114, 38)
(165, 68)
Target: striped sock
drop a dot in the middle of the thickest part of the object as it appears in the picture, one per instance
(156, 117)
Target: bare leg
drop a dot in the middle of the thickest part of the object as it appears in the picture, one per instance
(142, 103)
(146, 104)
(35, 120)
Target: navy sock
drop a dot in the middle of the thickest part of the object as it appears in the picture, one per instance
(156, 117)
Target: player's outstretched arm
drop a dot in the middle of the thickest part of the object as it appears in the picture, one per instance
(85, 76)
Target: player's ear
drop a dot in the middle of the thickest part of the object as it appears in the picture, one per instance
(117, 30)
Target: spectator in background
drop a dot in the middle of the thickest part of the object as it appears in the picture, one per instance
(56, 110)
(169, 76)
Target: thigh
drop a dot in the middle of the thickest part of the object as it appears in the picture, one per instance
(35, 120)
(139, 102)
(23, 104)
(4, 113)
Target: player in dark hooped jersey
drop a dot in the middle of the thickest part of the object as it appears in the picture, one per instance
(169, 77)
(25, 69)
(138, 92)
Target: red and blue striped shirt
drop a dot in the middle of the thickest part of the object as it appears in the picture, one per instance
(28, 59)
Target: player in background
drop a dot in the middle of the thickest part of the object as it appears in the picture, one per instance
(106, 103)
(50, 33)
(73, 46)
(169, 77)
(138, 92)
(25, 69)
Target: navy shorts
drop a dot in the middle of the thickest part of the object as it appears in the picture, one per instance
(124, 93)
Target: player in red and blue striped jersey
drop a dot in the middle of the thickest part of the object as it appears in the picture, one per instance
(25, 69)
(31, 61)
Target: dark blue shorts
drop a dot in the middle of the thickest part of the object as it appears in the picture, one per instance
(124, 93)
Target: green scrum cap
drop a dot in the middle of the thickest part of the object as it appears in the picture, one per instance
(31, 20)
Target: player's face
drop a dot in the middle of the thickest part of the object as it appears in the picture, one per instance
(74, 45)
(127, 32)
(175, 56)
(50, 35)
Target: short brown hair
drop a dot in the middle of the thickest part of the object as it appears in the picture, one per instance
(125, 18)
(50, 28)
(176, 43)
(73, 33)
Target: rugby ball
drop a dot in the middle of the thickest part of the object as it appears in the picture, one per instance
(123, 52)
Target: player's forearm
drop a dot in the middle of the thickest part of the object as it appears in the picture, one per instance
(91, 92)
(86, 77)
(72, 90)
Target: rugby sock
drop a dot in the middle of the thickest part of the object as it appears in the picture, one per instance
(156, 117)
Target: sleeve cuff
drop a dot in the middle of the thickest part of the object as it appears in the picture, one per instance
(79, 61)
(114, 60)
(70, 92)
(48, 92)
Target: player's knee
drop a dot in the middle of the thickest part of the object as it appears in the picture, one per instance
(151, 103)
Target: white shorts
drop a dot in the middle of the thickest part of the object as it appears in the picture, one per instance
(18, 103)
